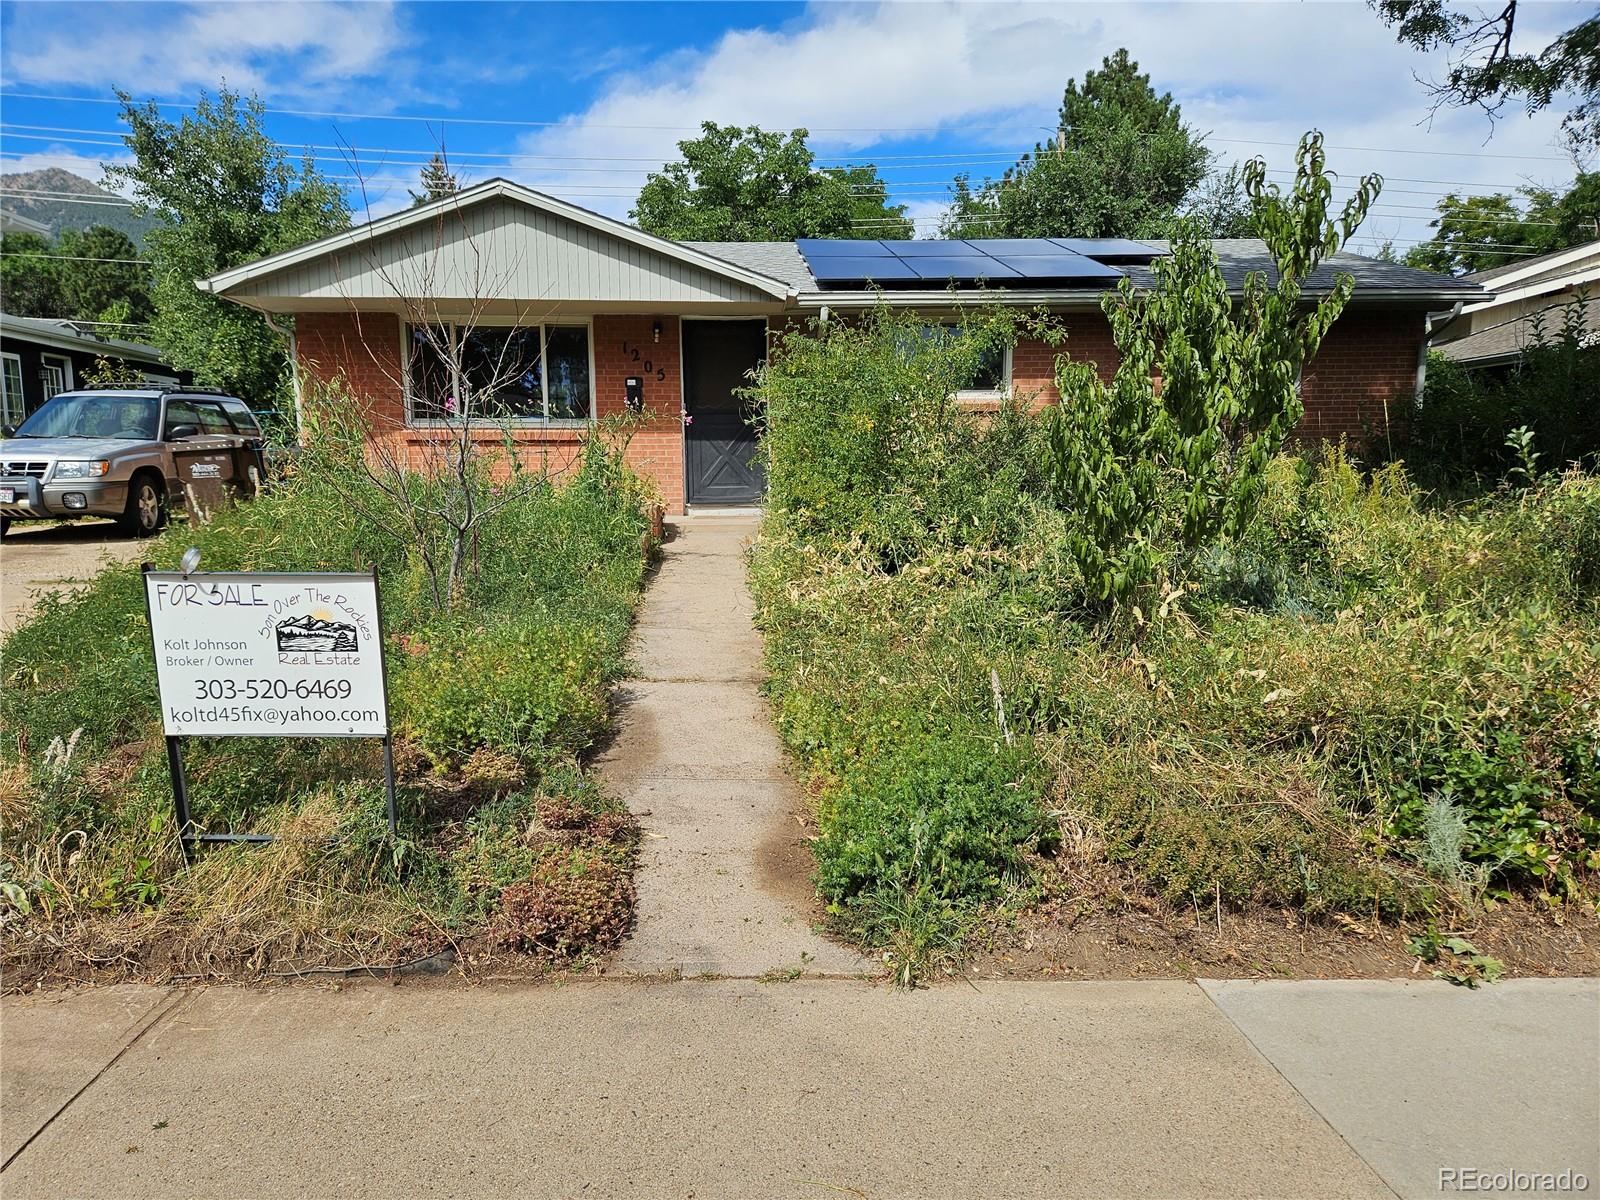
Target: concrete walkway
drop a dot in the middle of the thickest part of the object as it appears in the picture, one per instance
(813, 1088)
(722, 875)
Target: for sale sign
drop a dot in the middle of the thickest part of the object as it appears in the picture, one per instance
(252, 655)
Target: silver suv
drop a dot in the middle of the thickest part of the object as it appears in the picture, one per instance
(129, 453)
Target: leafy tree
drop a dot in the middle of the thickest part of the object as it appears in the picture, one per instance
(1122, 163)
(30, 276)
(101, 279)
(438, 181)
(1479, 232)
(1144, 466)
(749, 185)
(223, 195)
(1487, 71)
(1220, 208)
(84, 276)
(872, 216)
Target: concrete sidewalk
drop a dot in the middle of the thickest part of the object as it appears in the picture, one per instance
(811, 1088)
(722, 874)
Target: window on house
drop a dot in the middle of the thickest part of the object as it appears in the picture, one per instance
(991, 376)
(537, 374)
(56, 373)
(11, 405)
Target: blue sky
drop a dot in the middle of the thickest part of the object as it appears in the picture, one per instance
(584, 99)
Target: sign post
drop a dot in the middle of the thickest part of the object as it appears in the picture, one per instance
(253, 654)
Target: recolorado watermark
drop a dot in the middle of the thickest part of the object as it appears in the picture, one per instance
(1479, 1179)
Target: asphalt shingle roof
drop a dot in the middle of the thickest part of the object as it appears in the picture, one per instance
(1511, 337)
(1237, 256)
(1487, 278)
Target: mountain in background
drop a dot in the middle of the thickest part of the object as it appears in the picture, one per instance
(61, 209)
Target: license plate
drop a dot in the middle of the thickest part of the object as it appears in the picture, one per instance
(8, 495)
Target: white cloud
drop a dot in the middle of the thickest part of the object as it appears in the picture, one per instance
(991, 77)
(279, 48)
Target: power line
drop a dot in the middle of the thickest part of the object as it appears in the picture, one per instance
(925, 129)
(512, 158)
(143, 262)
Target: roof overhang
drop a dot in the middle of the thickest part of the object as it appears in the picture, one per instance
(81, 342)
(1088, 300)
(1543, 263)
(221, 283)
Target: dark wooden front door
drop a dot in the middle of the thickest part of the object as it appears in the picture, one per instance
(721, 435)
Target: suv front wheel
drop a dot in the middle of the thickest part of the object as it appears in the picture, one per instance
(146, 512)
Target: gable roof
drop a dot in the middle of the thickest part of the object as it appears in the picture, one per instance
(1238, 257)
(67, 335)
(1538, 268)
(1506, 340)
(502, 190)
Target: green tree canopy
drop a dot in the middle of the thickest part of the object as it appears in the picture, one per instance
(1122, 164)
(1475, 233)
(102, 278)
(1487, 68)
(87, 275)
(30, 276)
(751, 185)
(223, 195)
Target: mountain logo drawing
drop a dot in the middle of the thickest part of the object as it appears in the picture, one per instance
(299, 635)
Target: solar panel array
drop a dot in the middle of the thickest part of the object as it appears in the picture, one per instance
(1003, 262)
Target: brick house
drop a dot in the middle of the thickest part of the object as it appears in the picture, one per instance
(592, 312)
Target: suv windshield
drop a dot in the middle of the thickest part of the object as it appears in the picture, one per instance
(92, 415)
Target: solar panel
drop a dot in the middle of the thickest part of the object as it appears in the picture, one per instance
(1016, 247)
(858, 268)
(935, 249)
(1011, 261)
(1059, 266)
(1111, 250)
(971, 267)
(841, 248)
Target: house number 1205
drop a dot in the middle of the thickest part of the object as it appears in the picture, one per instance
(631, 353)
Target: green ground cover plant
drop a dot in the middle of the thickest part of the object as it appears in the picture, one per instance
(503, 838)
(1350, 700)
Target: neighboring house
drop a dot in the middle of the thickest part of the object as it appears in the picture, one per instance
(11, 222)
(1493, 332)
(682, 323)
(41, 356)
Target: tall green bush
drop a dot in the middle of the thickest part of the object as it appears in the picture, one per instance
(1171, 454)
(1457, 431)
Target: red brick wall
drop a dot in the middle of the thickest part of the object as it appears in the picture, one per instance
(1362, 376)
(364, 349)
(1368, 360)
(656, 451)
(1033, 364)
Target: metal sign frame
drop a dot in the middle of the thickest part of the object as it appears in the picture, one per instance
(189, 838)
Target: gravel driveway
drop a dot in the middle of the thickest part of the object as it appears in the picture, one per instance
(38, 557)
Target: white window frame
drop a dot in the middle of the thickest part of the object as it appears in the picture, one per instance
(57, 360)
(587, 323)
(999, 393)
(12, 415)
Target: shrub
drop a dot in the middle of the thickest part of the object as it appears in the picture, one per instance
(1457, 431)
(576, 903)
(938, 815)
(534, 689)
(863, 437)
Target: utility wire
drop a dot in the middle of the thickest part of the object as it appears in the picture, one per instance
(527, 124)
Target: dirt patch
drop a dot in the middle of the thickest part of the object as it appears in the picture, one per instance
(1117, 929)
